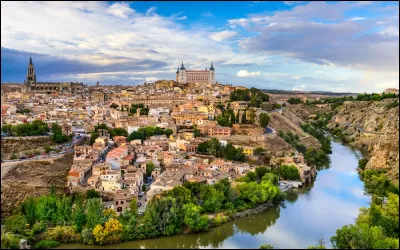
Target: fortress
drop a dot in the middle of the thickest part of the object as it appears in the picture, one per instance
(196, 76)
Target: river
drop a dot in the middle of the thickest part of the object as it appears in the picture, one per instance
(331, 202)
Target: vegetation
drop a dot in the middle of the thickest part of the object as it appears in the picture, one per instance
(254, 96)
(114, 106)
(362, 163)
(145, 133)
(24, 111)
(57, 134)
(36, 127)
(289, 172)
(266, 246)
(82, 219)
(294, 100)
(263, 120)
(392, 105)
(149, 168)
(143, 110)
(376, 227)
(47, 244)
(214, 147)
(118, 132)
(197, 132)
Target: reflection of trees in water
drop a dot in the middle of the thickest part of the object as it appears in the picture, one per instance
(214, 238)
(258, 223)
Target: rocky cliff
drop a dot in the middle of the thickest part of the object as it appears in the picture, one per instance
(373, 128)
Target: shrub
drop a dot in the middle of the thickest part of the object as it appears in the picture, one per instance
(219, 219)
(47, 244)
(362, 163)
(8, 241)
(62, 234)
(266, 246)
(87, 236)
(15, 223)
(38, 228)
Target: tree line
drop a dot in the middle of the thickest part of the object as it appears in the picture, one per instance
(53, 219)
(213, 147)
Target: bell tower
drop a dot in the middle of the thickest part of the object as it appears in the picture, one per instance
(30, 75)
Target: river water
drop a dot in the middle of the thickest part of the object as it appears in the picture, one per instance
(316, 210)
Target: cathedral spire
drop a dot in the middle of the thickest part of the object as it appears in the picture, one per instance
(212, 66)
(30, 59)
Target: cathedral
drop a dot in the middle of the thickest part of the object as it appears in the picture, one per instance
(30, 84)
(196, 76)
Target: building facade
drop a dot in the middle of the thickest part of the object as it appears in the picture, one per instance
(196, 76)
(30, 84)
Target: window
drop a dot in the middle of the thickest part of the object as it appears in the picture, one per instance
(116, 202)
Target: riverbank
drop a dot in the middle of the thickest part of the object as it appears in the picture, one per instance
(332, 201)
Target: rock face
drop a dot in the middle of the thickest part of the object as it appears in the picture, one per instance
(373, 128)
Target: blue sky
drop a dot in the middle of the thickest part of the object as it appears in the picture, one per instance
(334, 46)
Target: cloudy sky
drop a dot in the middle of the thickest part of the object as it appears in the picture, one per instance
(334, 46)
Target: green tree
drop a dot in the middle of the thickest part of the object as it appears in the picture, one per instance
(30, 211)
(149, 168)
(47, 149)
(193, 219)
(92, 193)
(263, 120)
(289, 172)
(118, 132)
(94, 212)
(261, 171)
(362, 163)
(15, 224)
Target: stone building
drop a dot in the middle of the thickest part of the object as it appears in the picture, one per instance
(98, 96)
(196, 76)
(31, 85)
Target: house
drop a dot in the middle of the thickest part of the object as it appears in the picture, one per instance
(119, 140)
(122, 200)
(115, 156)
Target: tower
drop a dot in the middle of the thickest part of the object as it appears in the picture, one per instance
(181, 73)
(30, 74)
(212, 74)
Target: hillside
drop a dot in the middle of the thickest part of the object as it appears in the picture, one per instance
(32, 179)
(373, 127)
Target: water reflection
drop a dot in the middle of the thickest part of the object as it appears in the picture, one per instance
(332, 201)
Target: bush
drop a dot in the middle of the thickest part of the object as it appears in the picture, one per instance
(8, 241)
(266, 246)
(219, 219)
(38, 228)
(362, 163)
(87, 236)
(62, 234)
(16, 223)
(47, 244)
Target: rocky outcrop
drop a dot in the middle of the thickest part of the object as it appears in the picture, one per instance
(373, 128)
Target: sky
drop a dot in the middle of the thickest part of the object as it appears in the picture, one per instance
(327, 46)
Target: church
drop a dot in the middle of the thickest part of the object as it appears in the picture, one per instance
(196, 76)
(30, 84)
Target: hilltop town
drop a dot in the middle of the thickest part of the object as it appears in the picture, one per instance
(134, 142)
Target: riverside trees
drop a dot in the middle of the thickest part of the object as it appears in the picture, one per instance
(83, 219)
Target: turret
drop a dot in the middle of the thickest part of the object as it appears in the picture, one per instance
(182, 67)
(212, 67)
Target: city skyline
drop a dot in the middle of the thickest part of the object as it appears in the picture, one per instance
(327, 46)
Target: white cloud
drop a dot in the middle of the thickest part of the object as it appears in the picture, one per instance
(120, 9)
(357, 18)
(390, 31)
(222, 35)
(151, 79)
(245, 73)
(299, 87)
(151, 11)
